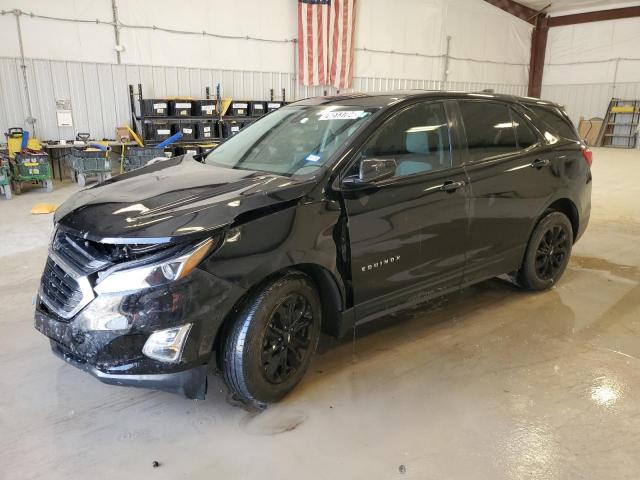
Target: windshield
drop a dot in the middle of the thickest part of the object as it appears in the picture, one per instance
(293, 140)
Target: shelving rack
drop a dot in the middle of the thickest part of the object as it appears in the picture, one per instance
(138, 119)
(620, 125)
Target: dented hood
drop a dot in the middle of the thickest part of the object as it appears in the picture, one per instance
(175, 198)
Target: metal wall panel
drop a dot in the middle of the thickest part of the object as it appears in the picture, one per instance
(100, 97)
(589, 100)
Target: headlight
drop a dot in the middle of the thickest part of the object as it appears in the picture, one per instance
(166, 345)
(155, 274)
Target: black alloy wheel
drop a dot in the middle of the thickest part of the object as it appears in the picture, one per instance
(547, 253)
(552, 250)
(287, 338)
(269, 344)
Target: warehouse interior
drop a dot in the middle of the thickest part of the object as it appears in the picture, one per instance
(486, 382)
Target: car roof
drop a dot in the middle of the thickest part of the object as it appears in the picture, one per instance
(378, 100)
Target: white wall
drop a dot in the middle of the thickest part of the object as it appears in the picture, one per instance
(479, 30)
(77, 61)
(589, 63)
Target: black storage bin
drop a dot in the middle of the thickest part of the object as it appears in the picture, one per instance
(256, 109)
(206, 131)
(180, 108)
(239, 108)
(154, 107)
(188, 130)
(271, 106)
(188, 149)
(156, 132)
(204, 108)
(230, 128)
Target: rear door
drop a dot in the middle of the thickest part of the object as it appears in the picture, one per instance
(511, 180)
(408, 232)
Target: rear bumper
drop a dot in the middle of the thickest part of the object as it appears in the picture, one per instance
(191, 383)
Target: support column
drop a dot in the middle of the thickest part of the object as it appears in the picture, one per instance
(538, 50)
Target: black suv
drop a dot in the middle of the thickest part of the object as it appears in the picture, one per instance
(323, 215)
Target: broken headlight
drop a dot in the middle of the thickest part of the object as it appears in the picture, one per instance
(122, 279)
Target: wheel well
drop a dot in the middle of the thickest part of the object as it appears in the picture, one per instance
(326, 286)
(567, 207)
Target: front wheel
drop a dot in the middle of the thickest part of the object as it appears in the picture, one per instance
(269, 346)
(548, 252)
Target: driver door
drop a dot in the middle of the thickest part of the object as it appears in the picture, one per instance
(407, 232)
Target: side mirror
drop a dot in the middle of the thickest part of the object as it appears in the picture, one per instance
(372, 170)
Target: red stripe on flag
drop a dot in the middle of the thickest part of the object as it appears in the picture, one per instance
(352, 39)
(309, 45)
(321, 78)
(334, 45)
(343, 44)
(300, 45)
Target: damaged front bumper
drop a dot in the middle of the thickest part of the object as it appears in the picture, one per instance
(106, 338)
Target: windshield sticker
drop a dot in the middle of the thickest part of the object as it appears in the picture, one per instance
(342, 115)
(313, 158)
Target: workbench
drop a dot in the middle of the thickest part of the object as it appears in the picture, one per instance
(57, 151)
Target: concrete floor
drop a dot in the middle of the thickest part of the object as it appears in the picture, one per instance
(490, 383)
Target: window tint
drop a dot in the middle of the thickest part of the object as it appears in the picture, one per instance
(417, 138)
(489, 129)
(524, 134)
(553, 122)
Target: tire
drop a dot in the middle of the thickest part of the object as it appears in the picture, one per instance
(547, 253)
(7, 191)
(81, 179)
(263, 354)
(48, 185)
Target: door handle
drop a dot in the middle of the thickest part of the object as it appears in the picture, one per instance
(450, 186)
(539, 163)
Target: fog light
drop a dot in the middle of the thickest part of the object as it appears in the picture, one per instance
(166, 345)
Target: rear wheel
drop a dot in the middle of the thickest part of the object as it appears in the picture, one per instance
(81, 179)
(548, 252)
(270, 345)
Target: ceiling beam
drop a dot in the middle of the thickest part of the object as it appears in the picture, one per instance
(516, 9)
(599, 16)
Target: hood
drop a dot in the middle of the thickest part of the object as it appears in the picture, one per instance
(179, 197)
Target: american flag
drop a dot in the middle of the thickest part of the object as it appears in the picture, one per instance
(325, 42)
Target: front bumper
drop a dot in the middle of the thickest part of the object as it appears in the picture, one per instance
(191, 383)
(115, 356)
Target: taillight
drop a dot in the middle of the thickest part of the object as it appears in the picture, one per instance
(588, 155)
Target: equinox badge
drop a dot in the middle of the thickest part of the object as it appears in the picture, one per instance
(386, 261)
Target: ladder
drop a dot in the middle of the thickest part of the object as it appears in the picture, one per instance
(620, 126)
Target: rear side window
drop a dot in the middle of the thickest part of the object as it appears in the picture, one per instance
(489, 129)
(525, 136)
(553, 122)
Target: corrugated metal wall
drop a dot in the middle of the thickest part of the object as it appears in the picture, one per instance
(589, 100)
(100, 100)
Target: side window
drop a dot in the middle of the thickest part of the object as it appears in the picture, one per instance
(525, 136)
(489, 129)
(417, 138)
(553, 122)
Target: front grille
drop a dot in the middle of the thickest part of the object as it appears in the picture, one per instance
(81, 254)
(60, 290)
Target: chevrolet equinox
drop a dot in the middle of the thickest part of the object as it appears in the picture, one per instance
(321, 216)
